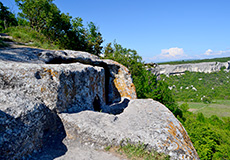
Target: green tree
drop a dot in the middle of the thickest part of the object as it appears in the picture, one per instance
(108, 50)
(44, 17)
(40, 13)
(87, 39)
(22, 21)
(94, 39)
(7, 18)
(78, 34)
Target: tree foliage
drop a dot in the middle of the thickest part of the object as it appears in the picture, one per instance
(40, 13)
(67, 32)
(210, 136)
(7, 18)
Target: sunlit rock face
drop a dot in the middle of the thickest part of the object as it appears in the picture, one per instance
(36, 84)
(143, 121)
(206, 67)
(48, 98)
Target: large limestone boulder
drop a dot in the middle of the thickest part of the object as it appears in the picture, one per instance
(44, 96)
(118, 78)
(143, 121)
(33, 89)
(118, 81)
(62, 88)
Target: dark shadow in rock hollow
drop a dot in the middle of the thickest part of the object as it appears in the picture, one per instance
(97, 104)
(117, 108)
(53, 143)
(16, 137)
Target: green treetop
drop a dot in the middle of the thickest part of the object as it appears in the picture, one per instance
(7, 18)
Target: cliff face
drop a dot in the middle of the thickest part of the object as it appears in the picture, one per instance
(44, 96)
(206, 67)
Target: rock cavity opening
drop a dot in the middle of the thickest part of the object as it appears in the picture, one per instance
(97, 104)
(60, 60)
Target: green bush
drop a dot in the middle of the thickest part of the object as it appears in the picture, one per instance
(207, 100)
(210, 136)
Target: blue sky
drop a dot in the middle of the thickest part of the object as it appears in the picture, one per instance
(160, 30)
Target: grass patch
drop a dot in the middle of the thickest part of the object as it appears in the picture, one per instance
(224, 102)
(220, 108)
(137, 152)
(30, 37)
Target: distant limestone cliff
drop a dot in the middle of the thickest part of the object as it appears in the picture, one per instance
(206, 67)
(71, 105)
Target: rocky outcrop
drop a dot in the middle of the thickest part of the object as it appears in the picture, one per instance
(143, 121)
(44, 95)
(206, 67)
(33, 89)
(117, 79)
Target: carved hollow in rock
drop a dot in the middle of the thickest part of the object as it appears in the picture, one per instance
(97, 104)
(60, 60)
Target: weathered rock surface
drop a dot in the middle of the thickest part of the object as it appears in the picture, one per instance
(118, 81)
(143, 121)
(37, 87)
(206, 67)
(62, 88)
(33, 90)
(76, 151)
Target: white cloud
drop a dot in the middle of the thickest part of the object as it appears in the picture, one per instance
(172, 52)
(175, 53)
(210, 52)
